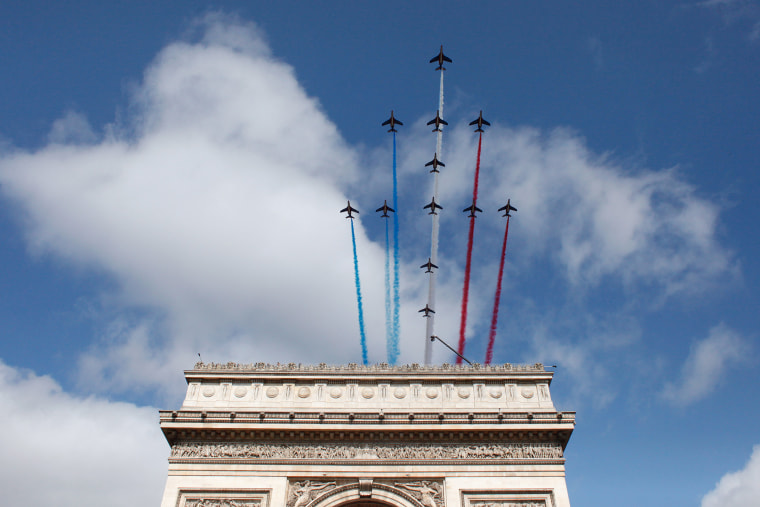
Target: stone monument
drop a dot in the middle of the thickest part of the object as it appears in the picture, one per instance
(367, 436)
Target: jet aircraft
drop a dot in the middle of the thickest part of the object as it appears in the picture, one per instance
(440, 58)
(433, 205)
(385, 209)
(429, 265)
(392, 122)
(437, 121)
(427, 311)
(480, 122)
(435, 163)
(507, 208)
(348, 209)
(472, 209)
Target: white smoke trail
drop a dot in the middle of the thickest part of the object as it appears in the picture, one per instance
(430, 325)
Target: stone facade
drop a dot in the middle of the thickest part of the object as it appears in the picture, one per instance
(323, 436)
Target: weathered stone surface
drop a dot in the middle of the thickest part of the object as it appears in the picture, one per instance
(412, 436)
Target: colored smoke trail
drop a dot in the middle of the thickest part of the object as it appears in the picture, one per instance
(497, 298)
(430, 324)
(468, 265)
(393, 348)
(388, 321)
(359, 298)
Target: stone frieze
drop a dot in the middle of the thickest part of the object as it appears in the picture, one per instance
(390, 452)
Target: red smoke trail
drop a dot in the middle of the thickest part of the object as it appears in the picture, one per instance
(495, 316)
(466, 289)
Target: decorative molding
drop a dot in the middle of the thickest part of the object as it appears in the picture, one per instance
(222, 502)
(513, 498)
(374, 368)
(305, 492)
(539, 503)
(223, 498)
(391, 452)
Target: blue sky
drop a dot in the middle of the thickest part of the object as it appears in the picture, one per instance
(170, 177)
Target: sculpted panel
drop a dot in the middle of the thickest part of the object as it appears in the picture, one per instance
(364, 452)
(429, 493)
(302, 493)
(538, 503)
(221, 502)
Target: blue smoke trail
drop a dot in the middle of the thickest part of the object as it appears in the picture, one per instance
(394, 351)
(359, 298)
(388, 321)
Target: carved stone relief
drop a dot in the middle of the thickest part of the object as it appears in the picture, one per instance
(222, 502)
(508, 503)
(302, 492)
(428, 493)
(371, 452)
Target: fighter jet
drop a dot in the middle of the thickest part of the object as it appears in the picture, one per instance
(385, 209)
(427, 311)
(392, 122)
(433, 205)
(435, 163)
(472, 209)
(507, 208)
(348, 209)
(440, 58)
(429, 265)
(438, 121)
(480, 122)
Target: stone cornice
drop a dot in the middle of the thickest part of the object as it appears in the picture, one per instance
(389, 421)
(372, 368)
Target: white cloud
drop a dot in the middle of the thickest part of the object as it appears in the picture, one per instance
(215, 211)
(737, 489)
(706, 364)
(595, 218)
(73, 128)
(64, 450)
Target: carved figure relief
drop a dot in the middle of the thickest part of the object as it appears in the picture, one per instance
(427, 492)
(375, 452)
(221, 502)
(303, 492)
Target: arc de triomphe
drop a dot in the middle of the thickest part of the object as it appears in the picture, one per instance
(367, 436)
